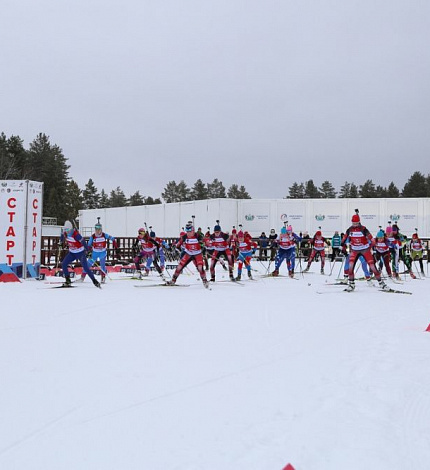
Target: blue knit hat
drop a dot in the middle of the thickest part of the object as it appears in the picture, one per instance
(380, 234)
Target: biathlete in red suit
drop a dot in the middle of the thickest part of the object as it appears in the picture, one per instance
(191, 244)
(78, 249)
(359, 242)
(246, 248)
(146, 247)
(220, 244)
(318, 244)
(381, 251)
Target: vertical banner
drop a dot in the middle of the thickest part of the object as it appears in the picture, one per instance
(20, 227)
(33, 228)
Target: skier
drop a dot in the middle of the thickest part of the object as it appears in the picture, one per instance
(401, 241)
(247, 248)
(98, 242)
(286, 242)
(360, 239)
(158, 254)
(145, 246)
(417, 248)
(191, 243)
(220, 244)
(381, 251)
(77, 252)
(318, 244)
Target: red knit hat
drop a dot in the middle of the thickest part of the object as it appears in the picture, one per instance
(355, 218)
(318, 234)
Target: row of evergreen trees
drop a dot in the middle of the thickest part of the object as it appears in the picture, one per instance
(63, 198)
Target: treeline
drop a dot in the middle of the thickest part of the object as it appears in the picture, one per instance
(417, 185)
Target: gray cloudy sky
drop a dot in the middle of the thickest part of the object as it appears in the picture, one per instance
(261, 93)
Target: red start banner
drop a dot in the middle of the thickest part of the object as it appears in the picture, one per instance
(21, 205)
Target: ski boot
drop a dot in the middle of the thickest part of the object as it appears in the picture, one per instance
(145, 273)
(205, 283)
(369, 281)
(103, 278)
(238, 277)
(351, 286)
(232, 277)
(212, 279)
(412, 275)
(67, 281)
(322, 271)
(383, 286)
(96, 283)
(275, 273)
(138, 274)
(306, 269)
(249, 275)
(291, 273)
(172, 281)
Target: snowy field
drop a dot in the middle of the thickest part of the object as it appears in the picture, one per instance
(242, 377)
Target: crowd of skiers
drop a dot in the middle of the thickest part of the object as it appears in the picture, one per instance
(205, 250)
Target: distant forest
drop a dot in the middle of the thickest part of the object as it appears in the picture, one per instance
(44, 161)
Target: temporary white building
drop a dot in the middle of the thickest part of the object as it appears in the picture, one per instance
(260, 215)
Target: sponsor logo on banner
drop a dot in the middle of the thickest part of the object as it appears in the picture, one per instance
(395, 217)
(320, 217)
(249, 217)
(368, 216)
(284, 217)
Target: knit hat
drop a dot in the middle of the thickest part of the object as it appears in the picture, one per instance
(318, 233)
(389, 229)
(98, 226)
(355, 218)
(380, 234)
(217, 228)
(240, 234)
(68, 227)
(283, 230)
(415, 236)
(189, 227)
(289, 228)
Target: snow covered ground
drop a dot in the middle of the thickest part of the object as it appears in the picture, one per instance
(240, 377)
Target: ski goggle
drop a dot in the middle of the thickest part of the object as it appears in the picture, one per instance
(142, 233)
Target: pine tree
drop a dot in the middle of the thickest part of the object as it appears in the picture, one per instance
(47, 163)
(416, 186)
(353, 191)
(104, 200)
(296, 191)
(392, 190)
(345, 190)
(117, 198)
(136, 199)
(216, 189)
(236, 192)
(199, 191)
(91, 197)
(311, 191)
(13, 158)
(170, 193)
(327, 190)
(244, 193)
(368, 189)
(380, 191)
(74, 201)
(150, 201)
(183, 191)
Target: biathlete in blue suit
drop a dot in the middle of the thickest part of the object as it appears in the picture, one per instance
(286, 242)
(98, 242)
(77, 252)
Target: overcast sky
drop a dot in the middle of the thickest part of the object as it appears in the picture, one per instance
(260, 93)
